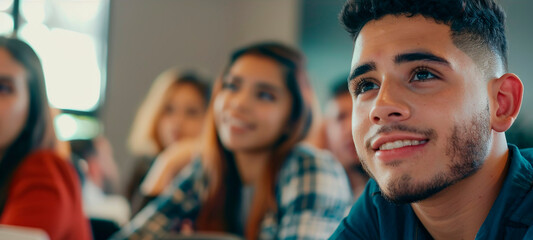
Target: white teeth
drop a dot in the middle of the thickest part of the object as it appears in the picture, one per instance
(400, 143)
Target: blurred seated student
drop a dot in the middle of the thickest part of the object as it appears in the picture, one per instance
(100, 178)
(254, 178)
(38, 189)
(171, 115)
(338, 135)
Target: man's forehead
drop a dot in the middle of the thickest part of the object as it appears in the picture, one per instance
(385, 38)
(393, 35)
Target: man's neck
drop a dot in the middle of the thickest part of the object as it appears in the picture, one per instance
(458, 211)
(251, 164)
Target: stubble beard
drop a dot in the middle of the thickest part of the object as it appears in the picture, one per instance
(467, 147)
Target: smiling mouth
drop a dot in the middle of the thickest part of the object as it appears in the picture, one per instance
(401, 143)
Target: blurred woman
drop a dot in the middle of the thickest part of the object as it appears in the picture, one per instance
(171, 115)
(253, 178)
(38, 188)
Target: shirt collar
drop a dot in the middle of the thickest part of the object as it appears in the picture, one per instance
(506, 210)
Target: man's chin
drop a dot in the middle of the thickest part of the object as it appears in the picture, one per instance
(417, 193)
(406, 198)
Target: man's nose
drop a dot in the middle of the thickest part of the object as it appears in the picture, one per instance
(390, 105)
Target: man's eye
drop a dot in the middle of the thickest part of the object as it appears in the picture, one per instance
(364, 86)
(423, 75)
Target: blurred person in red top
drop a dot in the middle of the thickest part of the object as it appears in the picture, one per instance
(38, 188)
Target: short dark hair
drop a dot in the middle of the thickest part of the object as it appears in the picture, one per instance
(473, 23)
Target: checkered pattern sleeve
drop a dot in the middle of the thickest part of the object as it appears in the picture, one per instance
(313, 195)
(179, 202)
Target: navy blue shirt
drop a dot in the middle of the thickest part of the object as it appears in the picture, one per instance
(511, 215)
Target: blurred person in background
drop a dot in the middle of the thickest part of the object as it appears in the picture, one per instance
(99, 175)
(38, 188)
(98, 162)
(170, 118)
(338, 135)
(253, 178)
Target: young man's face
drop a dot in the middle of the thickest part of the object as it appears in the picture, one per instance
(421, 119)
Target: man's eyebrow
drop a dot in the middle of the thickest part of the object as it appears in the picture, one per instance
(419, 56)
(362, 69)
(400, 58)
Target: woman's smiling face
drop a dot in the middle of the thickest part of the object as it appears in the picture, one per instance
(252, 109)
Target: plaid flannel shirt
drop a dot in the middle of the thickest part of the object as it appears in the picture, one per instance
(312, 193)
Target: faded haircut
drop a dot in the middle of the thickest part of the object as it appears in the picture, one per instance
(477, 26)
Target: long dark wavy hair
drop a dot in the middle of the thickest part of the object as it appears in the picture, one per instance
(222, 203)
(38, 132)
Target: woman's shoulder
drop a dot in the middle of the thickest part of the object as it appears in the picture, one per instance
(314, 176)
(47, 169)
(306, 163)
(45, 163)
(43, 154)
(45, 176)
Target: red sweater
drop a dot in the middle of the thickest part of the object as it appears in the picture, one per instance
(45, 193)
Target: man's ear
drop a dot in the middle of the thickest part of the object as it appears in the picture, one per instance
(506, 98)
